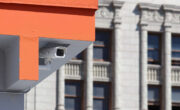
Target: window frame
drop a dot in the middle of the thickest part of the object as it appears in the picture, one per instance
(150, 60)
(175, 103)
(109, 47)
(81, 82)
(109, 99)
(151, 102)
(75, 58)
(175, 61)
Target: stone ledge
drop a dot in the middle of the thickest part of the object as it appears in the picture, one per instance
(171, 8)
(149, 6)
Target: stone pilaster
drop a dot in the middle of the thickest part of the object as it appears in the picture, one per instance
(143, 67)
(166, 70)
(25, 101)
(117, 54)
(89, 79)
(60, 89)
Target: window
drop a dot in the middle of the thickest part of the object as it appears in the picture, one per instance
(101, 93)
(73, 95)
(175, 107)
(176, 50)
(154, 48)
(175, 98)
(153, 107)
(153, 97)
(79, 56)
(102, 45)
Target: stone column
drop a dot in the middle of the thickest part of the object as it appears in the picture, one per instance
(166, 64)
(60, 89)
(25, 101)
(89, 78)
(117, 54)
(143, 67)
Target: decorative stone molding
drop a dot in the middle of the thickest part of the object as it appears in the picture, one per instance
(105, 10)
(150, 13)
(165, 14)
(102, 71)
(117, 13)
(108, 8)
(172, 8)
(175, 76)
(172, 14)
(154, 74)
(74, 70)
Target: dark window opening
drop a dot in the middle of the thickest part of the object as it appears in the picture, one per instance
(101, 49)
(154, 97)
(175, 50)
(176, 95)
(79, 56)
(154, 48)
(73, 95)
(153, 107)
(101, 93)
(175, 107)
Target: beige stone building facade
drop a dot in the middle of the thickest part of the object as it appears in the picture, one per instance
(134, 64)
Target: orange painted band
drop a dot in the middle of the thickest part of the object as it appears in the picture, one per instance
(90, 4)
(31, 22)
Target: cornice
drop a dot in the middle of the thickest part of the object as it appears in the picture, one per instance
(168, 15)
(172, 8)
(105, 3)
(117, 4)
(149, 6)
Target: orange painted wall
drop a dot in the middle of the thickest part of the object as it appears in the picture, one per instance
(51, 22)
(90, 4)
(33, 21)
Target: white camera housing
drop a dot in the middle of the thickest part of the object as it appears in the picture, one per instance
(53, 52)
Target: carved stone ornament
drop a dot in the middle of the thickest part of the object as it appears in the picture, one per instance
(172, 17)
(104, 12)
(152, 16)
(150, 13)
(172, 14)
(117, 13)
(108, 9)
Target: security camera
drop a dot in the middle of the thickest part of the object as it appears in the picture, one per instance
(53, 52)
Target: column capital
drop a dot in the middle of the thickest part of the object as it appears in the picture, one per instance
(168, 19)
(117, 19)
(60, 107)
(167, 27)
(117, 14)
(143, 26)
(117, 23)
